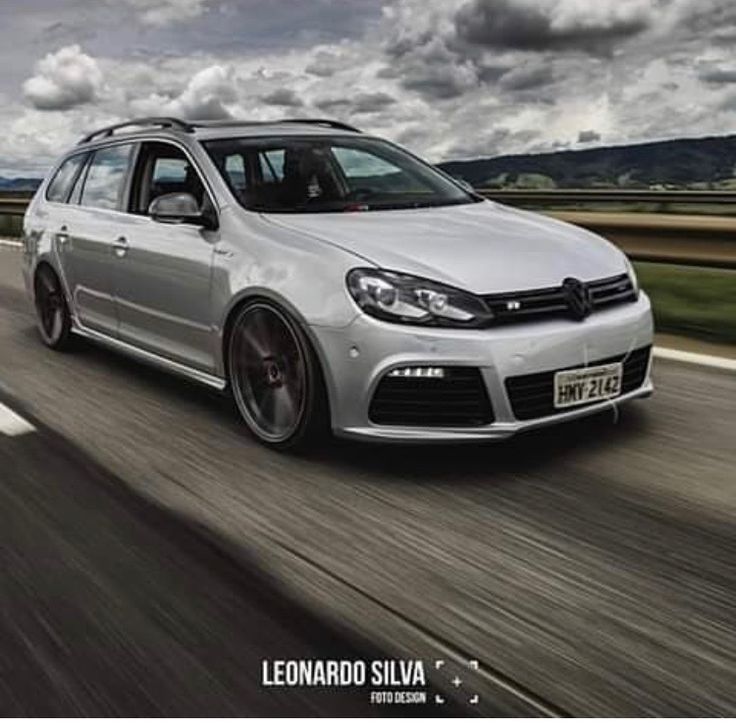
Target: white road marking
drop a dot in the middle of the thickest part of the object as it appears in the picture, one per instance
(717, 362)
(12, 424)
(4, 242)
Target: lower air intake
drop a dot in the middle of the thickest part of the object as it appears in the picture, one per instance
(532, 395)
(457, 399)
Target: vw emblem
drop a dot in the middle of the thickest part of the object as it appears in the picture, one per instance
(578, 297)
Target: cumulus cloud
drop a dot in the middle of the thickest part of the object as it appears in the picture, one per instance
(32, 138)
(210, 94)
(282, 97)
(525, 78)
(714, 19)
(333, 105)
(207, 95)
(726, 37)
(588, 136)
(440, 83)
(718, 76)
(592, 27)
(362, 103)
(426, 64)
(490, 73)
(369, 103)
(728, 104)
(63, 80)
(448, 78)
(165, 12)
(324, 64)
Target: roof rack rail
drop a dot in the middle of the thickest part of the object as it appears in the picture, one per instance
(322, 122)
(165, 122)
(234, 122)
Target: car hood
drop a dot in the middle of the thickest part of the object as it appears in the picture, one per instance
(483, 247)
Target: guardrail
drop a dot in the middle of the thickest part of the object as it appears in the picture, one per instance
(680, 239)
(573, 196)
(14, 205)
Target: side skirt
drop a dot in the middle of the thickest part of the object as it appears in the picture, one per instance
(147, 357)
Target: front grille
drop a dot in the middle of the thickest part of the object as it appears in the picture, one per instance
(459, 399)
(532, 395)
(551, 302)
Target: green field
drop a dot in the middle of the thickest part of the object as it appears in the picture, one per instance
(10, 226)
(669, 208)
(696, 302)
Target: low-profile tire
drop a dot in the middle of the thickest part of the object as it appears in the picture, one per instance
(275, 378)
(52, 313)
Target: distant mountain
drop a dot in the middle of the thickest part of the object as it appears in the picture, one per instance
(681, 163)
(19, 184)
(705, 163)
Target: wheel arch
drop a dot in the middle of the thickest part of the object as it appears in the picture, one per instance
(270, 296)
(49, 258)
(45, 261)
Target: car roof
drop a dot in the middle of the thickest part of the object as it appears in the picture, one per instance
(205, 130)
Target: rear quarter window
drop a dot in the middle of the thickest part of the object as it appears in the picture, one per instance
(61, 184)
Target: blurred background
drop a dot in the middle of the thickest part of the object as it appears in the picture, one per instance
(153, 555)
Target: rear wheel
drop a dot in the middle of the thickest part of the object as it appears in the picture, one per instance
(275, 377)
(52, 313)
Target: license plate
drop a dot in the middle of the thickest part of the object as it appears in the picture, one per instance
(591, 384)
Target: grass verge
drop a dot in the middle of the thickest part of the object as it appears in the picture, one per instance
(696, 302)
(10, 226)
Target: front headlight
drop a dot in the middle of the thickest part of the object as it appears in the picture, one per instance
(403, 298)
(632, 277)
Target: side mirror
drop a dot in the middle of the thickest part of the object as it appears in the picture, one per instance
(180, 207)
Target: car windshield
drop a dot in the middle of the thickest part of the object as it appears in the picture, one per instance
(330, 174)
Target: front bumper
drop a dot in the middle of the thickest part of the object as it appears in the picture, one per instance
(355, 359)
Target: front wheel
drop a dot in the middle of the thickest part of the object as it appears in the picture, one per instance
(275, 377)
(52, 312)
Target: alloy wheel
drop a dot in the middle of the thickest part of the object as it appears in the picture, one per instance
(268, 372)
(50, 305)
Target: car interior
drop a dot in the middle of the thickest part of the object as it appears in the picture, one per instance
(163, 169)
(284, 177)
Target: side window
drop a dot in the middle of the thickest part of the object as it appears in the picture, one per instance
(106, 177)
(60, 186)
(272, 165)
(169, 171)
(75, 198)
(235, 170)
(163, 169)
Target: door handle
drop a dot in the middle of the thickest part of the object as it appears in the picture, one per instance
(120, 246)
(62, 237)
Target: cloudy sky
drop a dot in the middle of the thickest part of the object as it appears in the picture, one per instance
(447, 78)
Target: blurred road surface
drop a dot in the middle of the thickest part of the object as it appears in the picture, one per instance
(110, 607)
(590, 569)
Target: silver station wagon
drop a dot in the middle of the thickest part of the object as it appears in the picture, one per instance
(331, 281)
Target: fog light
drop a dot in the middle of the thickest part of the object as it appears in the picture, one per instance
(418, 372)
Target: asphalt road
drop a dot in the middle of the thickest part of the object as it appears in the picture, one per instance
(109, 606)
(591, 569)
